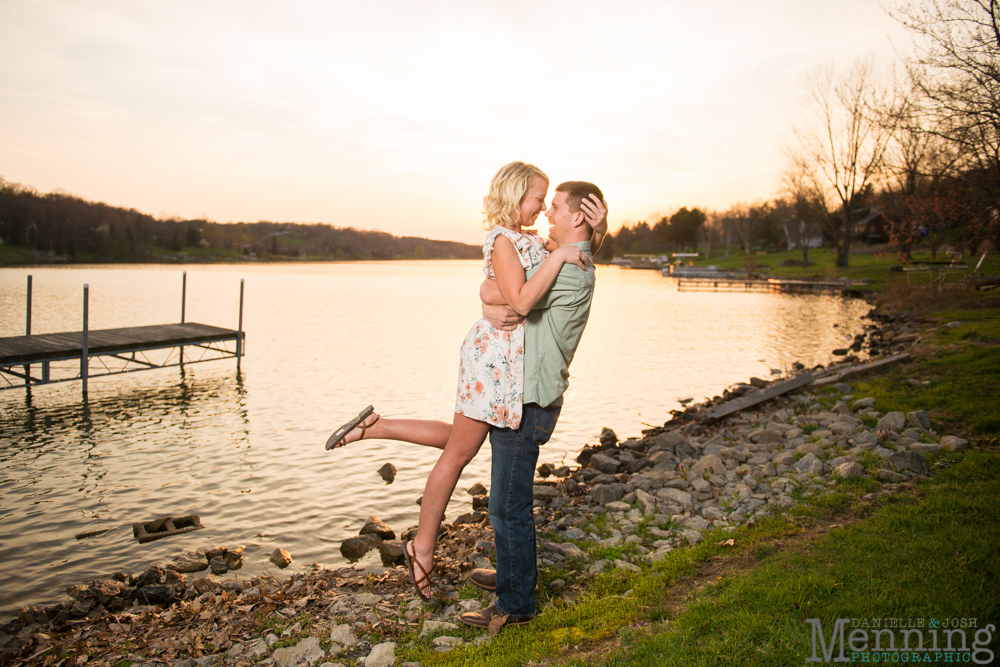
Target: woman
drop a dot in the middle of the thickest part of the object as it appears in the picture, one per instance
(491, 372)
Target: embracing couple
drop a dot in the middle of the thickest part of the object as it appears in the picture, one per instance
(514, 370)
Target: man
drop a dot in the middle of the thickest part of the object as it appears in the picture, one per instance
(552, 333)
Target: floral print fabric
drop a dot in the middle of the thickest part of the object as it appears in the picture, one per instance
(491, 368)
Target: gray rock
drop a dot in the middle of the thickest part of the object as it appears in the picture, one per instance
(809, 448)
(954, 443)
(354, 548)
(159, 595)
(543, 492)
(606, 493)
(617, 506)
(766, 436)
(282, 558)
(909, 460)
(604, 463)
(841, 408)
(893, 420)
(574, 533)
(625, 565)
(843, 388)
(234, 651)
(646, 501)
(305, 652)
(387, 472)
(863, 404)
(696, 523)
(207, 661)
(598, 566)
(105, 589)
(784, 459)
(431, 627)
(382, 655)
(676, 495)
(926, 448)
(810, 464)
(188, 562)
(692, 536)
(375, 526)
(712, 463)
(218, 565)
(445, 643)
(712, 513)
(849, 470)
(919, 419)
(565, 549)
(669, 440)
(391, 553)
(890, 476)
(257, 648)
(701, 485)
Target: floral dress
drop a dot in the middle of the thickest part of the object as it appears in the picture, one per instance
(491, 371)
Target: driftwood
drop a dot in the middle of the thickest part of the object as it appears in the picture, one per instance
(861, 368)
(147, 531)
(743, 402)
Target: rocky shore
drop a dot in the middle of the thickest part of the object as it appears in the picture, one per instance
(647, 495)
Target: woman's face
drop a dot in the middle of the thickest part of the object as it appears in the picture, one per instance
(534, 201)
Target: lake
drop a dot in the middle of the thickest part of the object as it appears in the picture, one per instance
(244, 450)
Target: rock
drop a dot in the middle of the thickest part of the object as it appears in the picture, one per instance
(545, 470)
(188, 562)
(840, 408)
(608, 437)
(153, 575)
(696, 523)
(218, 565)
(890, 476)
(617, 506)
(543, 492)
(713, 513)
(234, 558)
(849, 470)
(157, 595)
(105, 589)
(203, 585)
(701, 485)
(478, 489)
(712, 463)
(445, 643)
(809, 448)
(692, 536)
(810, 464)
(604, 463)
(863, 404)
(565, 549)
(909, 460)
(606, 493)
(343, 634)
(676, 495)
(598, 566)
(387, 472)
(954, 444)
(391, 552)
(919, 418)
(926, 448)
(480, 502)
(784, 459)
(431, 627)
(305, 652)
(282, 558)
(893, 420)
(570, 486)
(625, 565)
(382, 655)
(646, 501)
(640, 463)
(765, 436)
(234, 651)
(375, 526)
(354, 548)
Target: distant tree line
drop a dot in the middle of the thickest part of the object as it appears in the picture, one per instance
(59, 225)
(904, 158)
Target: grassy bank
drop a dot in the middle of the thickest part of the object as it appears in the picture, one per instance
(929, 551)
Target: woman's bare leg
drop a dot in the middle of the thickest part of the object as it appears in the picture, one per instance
(417, 431)
(465, 439)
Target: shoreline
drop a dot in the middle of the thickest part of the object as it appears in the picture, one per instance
(680, 480)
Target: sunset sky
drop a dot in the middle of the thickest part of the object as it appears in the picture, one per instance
(394, 115)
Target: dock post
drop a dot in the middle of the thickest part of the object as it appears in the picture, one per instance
(27, 332)
(239, 332)
(184, 288)
(84, 359)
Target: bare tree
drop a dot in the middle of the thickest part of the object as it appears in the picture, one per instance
(743, 223)
(842, 148)
(957, 68)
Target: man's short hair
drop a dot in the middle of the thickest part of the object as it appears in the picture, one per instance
(577, 191)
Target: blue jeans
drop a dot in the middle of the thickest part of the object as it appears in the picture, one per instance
(515, 454)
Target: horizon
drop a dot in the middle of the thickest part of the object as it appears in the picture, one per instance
(394, 117)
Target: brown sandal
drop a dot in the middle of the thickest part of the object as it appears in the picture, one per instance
(340, 435)
(410, 563)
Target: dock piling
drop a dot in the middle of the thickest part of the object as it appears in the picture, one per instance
(27, 332)
(239, 330)
(84, 357)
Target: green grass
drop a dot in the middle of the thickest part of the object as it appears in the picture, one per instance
(919, 556)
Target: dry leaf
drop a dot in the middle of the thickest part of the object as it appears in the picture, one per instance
(726, 543)
(496, 623)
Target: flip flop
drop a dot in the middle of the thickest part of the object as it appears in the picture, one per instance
(410, 562)
(337, 439)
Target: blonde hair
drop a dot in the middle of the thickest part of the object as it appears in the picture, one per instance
(507, 190)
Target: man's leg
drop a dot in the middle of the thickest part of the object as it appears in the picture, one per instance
(515, 454)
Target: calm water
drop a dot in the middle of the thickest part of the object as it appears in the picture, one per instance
(245, 451)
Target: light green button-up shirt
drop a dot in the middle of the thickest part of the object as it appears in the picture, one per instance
(553, 331)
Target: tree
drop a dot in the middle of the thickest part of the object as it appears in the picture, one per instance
(744, 224)
(957, 68)
(842, 151)
(685, 226)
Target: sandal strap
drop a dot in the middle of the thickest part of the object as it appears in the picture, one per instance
(416, 563)
(364, 429)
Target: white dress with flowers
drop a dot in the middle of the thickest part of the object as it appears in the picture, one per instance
(491, 371)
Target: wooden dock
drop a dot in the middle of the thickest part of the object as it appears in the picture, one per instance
(34, 359)
(730, 284)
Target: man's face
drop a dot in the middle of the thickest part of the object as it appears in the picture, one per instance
(562, 221)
